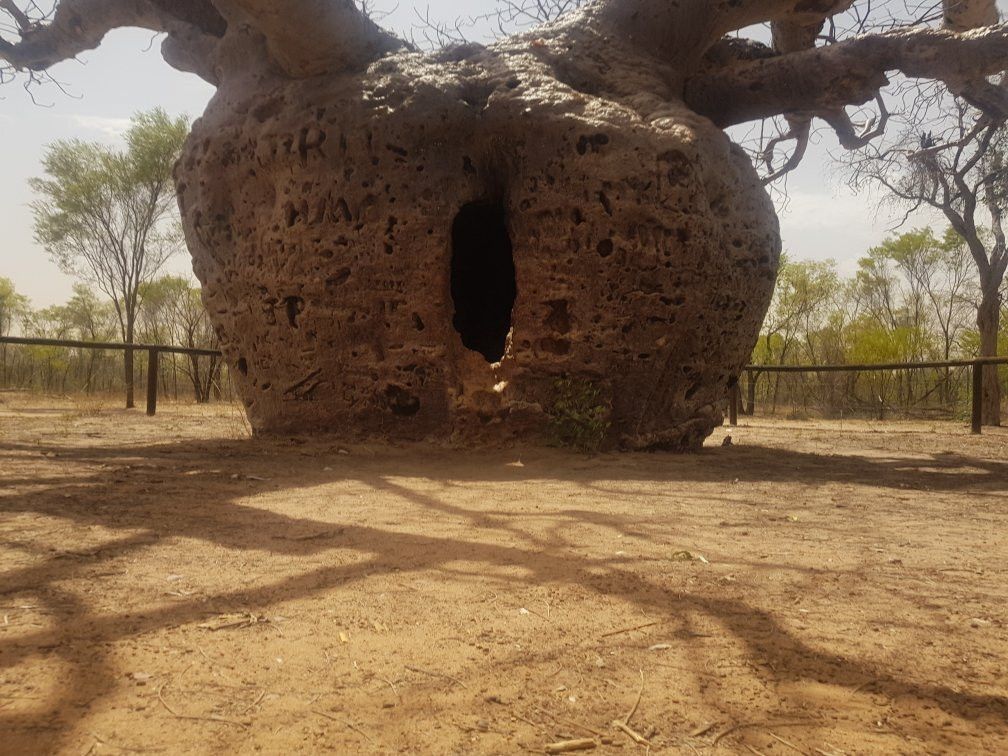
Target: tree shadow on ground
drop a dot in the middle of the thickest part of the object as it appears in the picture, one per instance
(193, 495)
(947, 470)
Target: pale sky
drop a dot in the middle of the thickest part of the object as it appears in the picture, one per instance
(127, 75)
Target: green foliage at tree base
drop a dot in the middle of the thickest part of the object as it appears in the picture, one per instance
(580, 414)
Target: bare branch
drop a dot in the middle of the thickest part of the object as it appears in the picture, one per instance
(20, 18)
(799, 133)
(852, 137)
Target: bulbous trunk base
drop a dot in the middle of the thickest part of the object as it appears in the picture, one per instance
(474, 251)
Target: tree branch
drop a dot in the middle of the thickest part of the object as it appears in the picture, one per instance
(798, 131)
(850, 137)
(683, 31)
(960, 15)
(831, 77)
(20, 18)
(80, 25)
(311, 37)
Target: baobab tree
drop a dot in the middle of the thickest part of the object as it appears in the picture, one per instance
(429, 244)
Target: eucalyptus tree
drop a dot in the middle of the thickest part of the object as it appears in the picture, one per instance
(12, 307)
(803, 301)
(173, 313)
(940, 286)
(104, 214)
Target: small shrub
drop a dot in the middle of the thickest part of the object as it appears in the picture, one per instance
(88, 406)
(580, 414)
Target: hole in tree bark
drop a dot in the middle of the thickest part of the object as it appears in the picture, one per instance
(293, 305)
(482, 278)
(401, 401)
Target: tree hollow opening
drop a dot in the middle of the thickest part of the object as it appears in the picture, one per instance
(482, 278)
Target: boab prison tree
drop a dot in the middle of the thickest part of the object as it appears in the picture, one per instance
(425, 245)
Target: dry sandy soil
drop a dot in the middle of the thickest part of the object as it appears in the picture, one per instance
(170, 586)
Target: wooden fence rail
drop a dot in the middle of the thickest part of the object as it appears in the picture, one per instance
(153, 354)
(752, 371)
(976, 393)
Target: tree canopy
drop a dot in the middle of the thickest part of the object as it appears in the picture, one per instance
(912, 298)
(11, 305)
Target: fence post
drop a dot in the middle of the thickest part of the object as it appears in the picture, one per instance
(152, 380)
(977, 397)
(750, 393)
(733, 402)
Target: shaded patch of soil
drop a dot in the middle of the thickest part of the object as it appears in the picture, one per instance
(171, 586)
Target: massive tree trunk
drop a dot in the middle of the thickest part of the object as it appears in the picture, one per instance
(430, 247)
(433, 245)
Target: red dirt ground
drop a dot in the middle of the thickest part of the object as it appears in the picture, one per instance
(171, 586)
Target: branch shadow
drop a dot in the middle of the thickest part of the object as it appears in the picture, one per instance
(194, 491)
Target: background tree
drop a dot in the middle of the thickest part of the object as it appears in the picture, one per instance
(83, 317)
(12, 305)
(170, 312)
(950, 156)
(90, 320)
(12, 308)
(801, 302)
(48, 367)
(912, 298)
(942, 285)
(105, 214)
(173, 313)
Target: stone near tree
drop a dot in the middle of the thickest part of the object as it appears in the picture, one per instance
(436, 246)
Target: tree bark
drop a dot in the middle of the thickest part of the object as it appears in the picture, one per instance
(849, 72)
(312, 37)
(90, 371)
(194, 377)
(680, 32)
(76, 26)
(988, 323)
